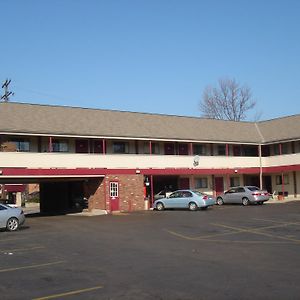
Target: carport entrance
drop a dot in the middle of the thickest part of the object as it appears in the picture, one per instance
(169, 183)
(60, 195)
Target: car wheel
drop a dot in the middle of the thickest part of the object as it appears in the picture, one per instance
(245, 201)
(260, 202)
(160, 206)
(220, 201)
(12, 224)
(193, 206)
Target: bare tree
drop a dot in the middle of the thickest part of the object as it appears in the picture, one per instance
(228, 101)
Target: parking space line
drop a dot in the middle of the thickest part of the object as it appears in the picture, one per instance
(70, 293)
(22, 249)
(208, 238)
(199, 237)
(257, 231)
(15, 239)
(32, 266)
(278, 222)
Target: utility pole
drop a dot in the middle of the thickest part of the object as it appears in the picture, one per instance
(7, 93)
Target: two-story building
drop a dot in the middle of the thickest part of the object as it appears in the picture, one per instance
(118, 159)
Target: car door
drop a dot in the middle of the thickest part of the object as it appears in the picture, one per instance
(3, 216)
(185, 199)
(172, 200)
(230, 196)
(240, 194)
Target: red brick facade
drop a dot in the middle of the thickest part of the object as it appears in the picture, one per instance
(131, 196)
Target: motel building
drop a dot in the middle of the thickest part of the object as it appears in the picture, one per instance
(118, 161)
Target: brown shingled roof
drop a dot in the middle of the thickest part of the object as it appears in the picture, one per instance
(73, 121)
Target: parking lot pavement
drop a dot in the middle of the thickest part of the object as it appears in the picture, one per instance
(227, 252)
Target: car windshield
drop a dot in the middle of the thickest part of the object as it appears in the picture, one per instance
(253, 188)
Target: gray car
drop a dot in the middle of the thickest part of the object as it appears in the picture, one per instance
(243, 194)
(11, 217)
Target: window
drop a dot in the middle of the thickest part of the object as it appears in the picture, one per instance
(201, 183)
(183, 149)
(234, 181)
(169, 148)
(240, 190)
(221, 150)
(199, 149)
(60, 146)
(279, 179)
(113, 189)
(176, 195)
(22, 145)
(120, 147)
(187, 194)
(250, 150)
(285, 148)
(155, 148)
(276, 149)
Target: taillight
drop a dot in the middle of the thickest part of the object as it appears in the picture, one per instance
(205, 197)
(256, 194)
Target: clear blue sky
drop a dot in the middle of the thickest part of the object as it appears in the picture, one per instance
(150, 56)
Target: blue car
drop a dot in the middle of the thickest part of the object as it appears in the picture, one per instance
(190, 199)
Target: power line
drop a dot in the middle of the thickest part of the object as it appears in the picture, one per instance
(7, 93)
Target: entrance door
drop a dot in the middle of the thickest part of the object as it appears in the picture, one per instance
(81, 146)
(219, 185)
(114, 195)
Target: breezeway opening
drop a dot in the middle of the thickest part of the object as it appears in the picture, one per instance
(57, 195)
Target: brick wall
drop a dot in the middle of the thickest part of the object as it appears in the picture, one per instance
(131, 197)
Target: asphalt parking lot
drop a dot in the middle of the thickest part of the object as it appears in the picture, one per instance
(227, 252)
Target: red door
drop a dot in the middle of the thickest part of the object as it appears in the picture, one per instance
(114, 195)
(81, 146)
(98, 146)
(219, 185)
(169, 149)
(184, 183)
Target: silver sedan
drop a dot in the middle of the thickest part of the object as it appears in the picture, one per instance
(244, 195)
(11, 217)
(192, 200)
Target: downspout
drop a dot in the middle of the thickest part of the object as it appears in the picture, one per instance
(260, 168)
(260, 156)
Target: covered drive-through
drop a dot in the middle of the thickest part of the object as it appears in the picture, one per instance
(60, 194)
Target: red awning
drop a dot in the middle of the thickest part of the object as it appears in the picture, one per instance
(13, 188)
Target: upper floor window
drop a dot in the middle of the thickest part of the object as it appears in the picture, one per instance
(221, 150)
(169, 148)
(120, 147)
(60, 146)
(199, 149)
(250, 150)
(22, 145)
(183, 149)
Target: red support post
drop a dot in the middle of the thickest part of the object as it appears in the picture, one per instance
(152, 192)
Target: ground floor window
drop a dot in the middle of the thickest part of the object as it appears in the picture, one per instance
(234, 181)
(279, 179)
(114, 189)
(201, 183)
